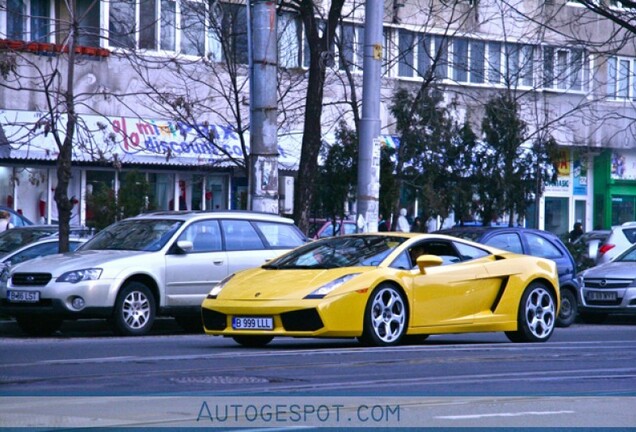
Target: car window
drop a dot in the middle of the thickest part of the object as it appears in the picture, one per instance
(630, 233)
(506, 241)
(204, 235)
(441, 248)
(280, 235)
(403, 261)
(134, 234)
(468, 252)
(240, 235)
(34, 252)
(350, 228)
(629, 256)
(542, 247)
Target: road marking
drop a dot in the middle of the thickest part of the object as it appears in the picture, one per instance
(512, 414)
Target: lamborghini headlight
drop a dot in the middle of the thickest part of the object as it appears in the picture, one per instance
(218, 287)
(330, 286)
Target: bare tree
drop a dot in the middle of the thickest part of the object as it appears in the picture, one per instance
(50, 81)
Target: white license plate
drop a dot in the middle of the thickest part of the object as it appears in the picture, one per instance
(253, 323)
(601, 295)
(23, 296)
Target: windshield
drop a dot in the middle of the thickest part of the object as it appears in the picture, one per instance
(628, 256)
(135, 235)
(337, 252)
(16, 238)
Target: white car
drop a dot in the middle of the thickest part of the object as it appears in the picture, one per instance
(161, 263)
(619, 240)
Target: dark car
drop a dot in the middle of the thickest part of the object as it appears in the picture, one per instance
(532, 242)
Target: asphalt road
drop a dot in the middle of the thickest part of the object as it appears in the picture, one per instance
(584, 376)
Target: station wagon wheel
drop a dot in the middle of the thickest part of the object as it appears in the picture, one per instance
(385, 317)
(253, 341)
(568, 311)
(134, 311)
(38, 325)
(537, 315)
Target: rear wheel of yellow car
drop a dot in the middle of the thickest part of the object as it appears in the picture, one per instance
(385, 317)
(253, 341)
(537, 315)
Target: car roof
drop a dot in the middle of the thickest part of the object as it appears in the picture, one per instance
(205, 214)
(484, 229)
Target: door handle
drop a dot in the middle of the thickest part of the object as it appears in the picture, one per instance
(217, 262)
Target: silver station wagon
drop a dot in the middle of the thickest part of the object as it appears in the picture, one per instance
(156, 264)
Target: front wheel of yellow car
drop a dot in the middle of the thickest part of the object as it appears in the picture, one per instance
(537, 315)
(253, 341)
(385, 317)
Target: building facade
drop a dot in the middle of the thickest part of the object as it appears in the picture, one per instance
(161, 87)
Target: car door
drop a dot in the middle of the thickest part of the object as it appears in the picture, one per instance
(190, 276)
(245, 247)
(454, 292)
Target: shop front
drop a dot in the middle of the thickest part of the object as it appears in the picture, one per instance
(183, 170)
(568, 199)
(615, 188)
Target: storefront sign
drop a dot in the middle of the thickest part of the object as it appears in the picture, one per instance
(623, 165)
(580, 174)
(133, 140)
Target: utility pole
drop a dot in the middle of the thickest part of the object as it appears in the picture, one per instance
(369, 144)
(263, 107)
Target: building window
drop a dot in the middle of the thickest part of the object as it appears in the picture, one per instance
(563, 69)
(477, 61)
(406, 55)
(494, 62)
(351, 46)
(288, 40)
(460, 60)
(192, 28)
(621, 78)
(121, 24)
(88, 13)
(519, 65)
(28, 20)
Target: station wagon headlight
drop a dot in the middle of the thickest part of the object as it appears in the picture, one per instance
(330, 286)
(218, 287)
(76, 276)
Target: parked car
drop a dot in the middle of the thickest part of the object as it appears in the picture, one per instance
(609, 288)
(15, 239)
(590, 243)
(325, 228)
(621, 238)
(532, 242)
(159, 263)
(383, 288)
(17, 219)
(41, 247)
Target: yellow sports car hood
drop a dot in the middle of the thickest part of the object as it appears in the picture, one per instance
(266, 284)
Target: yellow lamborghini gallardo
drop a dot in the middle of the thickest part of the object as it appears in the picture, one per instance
(384, 288)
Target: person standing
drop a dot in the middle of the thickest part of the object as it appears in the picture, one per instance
(576, 232)
(402, 222)
(417, 225)
(5, 220)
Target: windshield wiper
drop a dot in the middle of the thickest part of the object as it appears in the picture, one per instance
(270, 266)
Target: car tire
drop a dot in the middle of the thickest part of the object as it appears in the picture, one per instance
(593, 318)
(38, 325)
(537, 315)
(134, 311)
(253, 341)
(385, 317)
(569, 308)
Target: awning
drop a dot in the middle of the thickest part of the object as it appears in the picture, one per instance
(27, 135)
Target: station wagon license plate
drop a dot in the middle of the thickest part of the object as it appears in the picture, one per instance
(601, 295)
(23, 296)
(253, 323)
